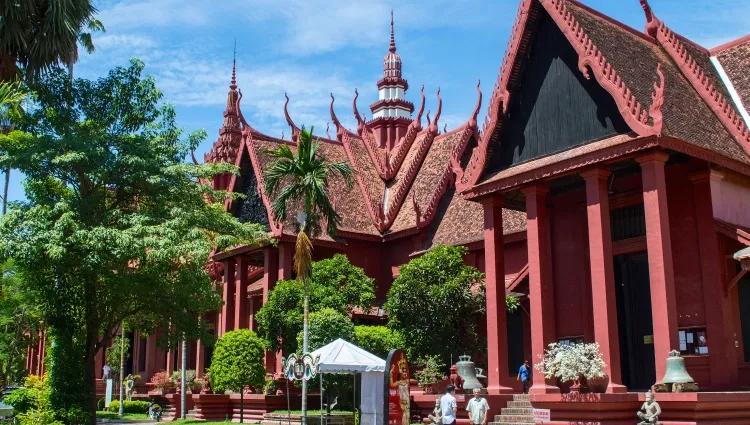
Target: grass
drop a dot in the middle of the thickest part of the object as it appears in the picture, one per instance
(127, 416)
(196, 422)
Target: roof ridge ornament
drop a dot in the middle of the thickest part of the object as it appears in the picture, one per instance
(233, 84)
(652, 22)
(472, 121)
(340, 130)
(433, 127)
(295, 130)
(392, 47)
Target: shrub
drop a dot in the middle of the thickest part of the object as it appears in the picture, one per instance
(326, 326)
(431, 373)
(135, 406)
(162, 380)
(100, 404)
(237, 361)
(570, 362)
(189, 377)
(23, 399)
(378, 340)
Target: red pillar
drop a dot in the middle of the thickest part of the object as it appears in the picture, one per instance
(151, 361)
(497, 328)
(602, 275)
(270, 276)
(240, 290)
(200, 359)
(718, 311)
(170, 362)
(227, 310)
(660, 268)
(540, 281)
(286, 255)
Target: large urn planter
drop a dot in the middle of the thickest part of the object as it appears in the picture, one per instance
(598, 385)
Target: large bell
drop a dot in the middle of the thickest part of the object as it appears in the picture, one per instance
(467, 371)
(676, 371)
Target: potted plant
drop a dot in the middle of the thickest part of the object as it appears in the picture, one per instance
(196, 385)
(270, 386)
(162, 382)
(572, 363)
(430, 374)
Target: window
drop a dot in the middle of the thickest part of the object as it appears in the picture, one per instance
(570, 341)
(693, 341)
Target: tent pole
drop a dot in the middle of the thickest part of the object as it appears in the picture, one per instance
(321, 399)
(288, 407)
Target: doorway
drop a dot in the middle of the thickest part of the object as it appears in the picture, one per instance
(634, 321)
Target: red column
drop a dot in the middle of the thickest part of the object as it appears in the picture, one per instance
(660, 268)
(170, 362)
(494, 269)
(721, 352)
(200, 359)
(240, 290)
(151, 361)
(270, 275)
(286, 256)
(602, 275)
(540, 281)
(227, 310)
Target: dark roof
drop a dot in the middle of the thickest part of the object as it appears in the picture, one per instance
(736, 63)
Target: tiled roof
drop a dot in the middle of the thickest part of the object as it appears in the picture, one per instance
(736, 63)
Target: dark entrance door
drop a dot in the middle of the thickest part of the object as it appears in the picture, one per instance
(634, 321)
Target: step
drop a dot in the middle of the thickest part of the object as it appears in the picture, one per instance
(504, 419)
(516, 411)
(521, 397)
(524, 422)
(519, 404)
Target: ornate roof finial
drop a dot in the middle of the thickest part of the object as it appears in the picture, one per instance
(445, 128)
(328, 125)
(392, 48)
(233, 85)
(652, 23)
(473, 120)
(433, 127)
(282, 134)
(295, 130)
(360, 123)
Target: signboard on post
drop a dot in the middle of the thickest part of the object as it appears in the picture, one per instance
(397, 410)
(108, 393)
(540, 415)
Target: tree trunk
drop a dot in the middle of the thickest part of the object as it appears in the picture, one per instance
(305, 335)
(90, 390)
(242, 404)
(5, 190)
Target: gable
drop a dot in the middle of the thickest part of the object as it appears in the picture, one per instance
(251, 207)
(555, 107)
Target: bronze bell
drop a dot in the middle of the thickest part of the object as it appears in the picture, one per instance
(676, 371)
(467, 371)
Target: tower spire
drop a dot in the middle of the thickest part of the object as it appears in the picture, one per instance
(233, 85)
(392, 48)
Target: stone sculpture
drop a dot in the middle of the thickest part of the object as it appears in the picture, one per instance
(437, 415)
(650, 411)
(129, 384)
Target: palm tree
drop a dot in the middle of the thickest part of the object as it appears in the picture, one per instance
(36, 36)
(305, 180)
(11, 96)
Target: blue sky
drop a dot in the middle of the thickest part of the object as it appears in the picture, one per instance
(309, 48)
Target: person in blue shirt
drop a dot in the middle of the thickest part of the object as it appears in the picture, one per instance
(524, 375)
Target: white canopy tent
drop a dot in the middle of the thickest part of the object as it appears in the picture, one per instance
(344, 357)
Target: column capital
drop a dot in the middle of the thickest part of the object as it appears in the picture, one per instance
(653, 156)
(705, 175)
(540, 188)
(492, 200)
(600, 173)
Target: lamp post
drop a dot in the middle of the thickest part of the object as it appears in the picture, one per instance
(303, 243)
(122, 367)
(183, 377)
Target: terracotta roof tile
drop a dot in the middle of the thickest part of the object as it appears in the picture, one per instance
(686, 116)
(459, 222)
(736, 64)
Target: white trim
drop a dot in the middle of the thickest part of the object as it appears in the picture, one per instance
(730, 88)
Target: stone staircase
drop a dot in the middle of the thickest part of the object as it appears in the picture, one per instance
(516, 412)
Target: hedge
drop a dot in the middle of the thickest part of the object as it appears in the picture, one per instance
(130, 406)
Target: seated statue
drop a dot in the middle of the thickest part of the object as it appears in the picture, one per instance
(650, 411)
(437, 415)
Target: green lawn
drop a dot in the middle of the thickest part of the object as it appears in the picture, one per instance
(127, 416)
(196, 422)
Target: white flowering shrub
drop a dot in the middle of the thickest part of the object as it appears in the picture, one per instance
(569, 362)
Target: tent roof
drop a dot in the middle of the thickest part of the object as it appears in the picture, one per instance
(344, 357)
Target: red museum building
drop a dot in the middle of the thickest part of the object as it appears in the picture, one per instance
(609, 183)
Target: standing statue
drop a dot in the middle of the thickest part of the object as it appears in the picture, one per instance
(437, 414)
(651, 411)
(129, 384)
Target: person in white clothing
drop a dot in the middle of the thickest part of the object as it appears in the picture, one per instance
(478, 408)
(106, 371)
(448, 405)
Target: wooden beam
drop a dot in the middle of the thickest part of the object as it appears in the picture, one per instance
(734, 282)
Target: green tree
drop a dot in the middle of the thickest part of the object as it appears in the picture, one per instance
(116, 225)
(434, 303)
(19, 324)
(12, 94)
(35, 36)
(112, 354)
(378, 340)
(334, 283)
(326, 326)
(237, 362)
